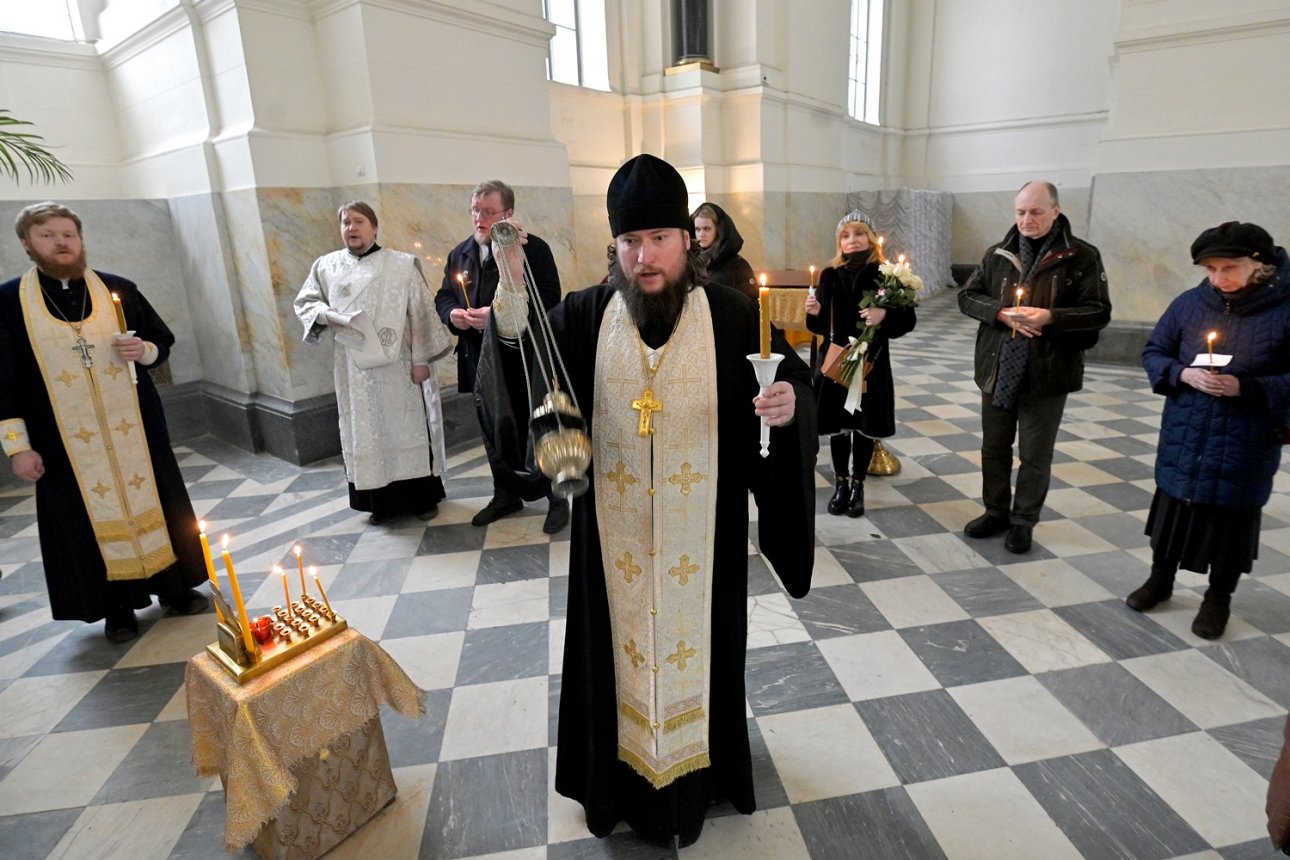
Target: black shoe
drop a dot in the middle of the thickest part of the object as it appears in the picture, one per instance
(429, 513)
(855, 505)
(557, 516)
(1018, 539)
(1211, 621)
(842, 495)
(187, 602)
(120, 626)
(1156, 590)
(986, 525)
(495, 510)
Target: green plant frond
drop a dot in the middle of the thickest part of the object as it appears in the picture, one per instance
(23, 150)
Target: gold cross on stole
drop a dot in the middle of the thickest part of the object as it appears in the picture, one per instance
(646, 405)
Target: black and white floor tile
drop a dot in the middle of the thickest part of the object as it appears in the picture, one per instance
(933, 696)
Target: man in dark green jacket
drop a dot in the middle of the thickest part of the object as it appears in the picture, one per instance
(1041, 298)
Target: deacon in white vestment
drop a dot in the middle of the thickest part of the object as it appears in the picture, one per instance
(377, 305)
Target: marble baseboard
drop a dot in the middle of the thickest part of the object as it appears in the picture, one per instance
(1121, 343)
(299, 432)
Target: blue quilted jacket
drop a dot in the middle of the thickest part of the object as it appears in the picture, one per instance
(1223, 451)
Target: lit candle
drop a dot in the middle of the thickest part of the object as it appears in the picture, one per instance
(900, 261)
(812, 276)
(1019, 293)
(120, 313)
(210, 563)
(1209, 339)
(300, 564)
(286, 591)
(318, 582)
(763, 301)
(461, 279)
(242, 618)
(881, 239)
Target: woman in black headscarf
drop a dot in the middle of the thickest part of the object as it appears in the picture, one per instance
(719, 246)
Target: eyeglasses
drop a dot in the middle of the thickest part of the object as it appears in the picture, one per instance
(485, 213)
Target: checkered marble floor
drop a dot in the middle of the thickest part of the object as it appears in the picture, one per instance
(933, 696)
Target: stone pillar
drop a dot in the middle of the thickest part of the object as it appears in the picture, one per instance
(691, 31)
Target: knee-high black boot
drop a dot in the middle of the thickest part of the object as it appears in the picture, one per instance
(840, 447)
(1216, 608)
(1158, 588)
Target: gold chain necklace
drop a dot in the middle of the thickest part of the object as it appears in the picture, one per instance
(646, 404)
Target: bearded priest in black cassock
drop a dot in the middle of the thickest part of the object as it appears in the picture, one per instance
(116, 525)
(652, 706)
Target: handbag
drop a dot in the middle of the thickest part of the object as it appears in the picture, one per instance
(832, 366)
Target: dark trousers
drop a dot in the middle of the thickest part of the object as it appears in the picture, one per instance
(1033, 422)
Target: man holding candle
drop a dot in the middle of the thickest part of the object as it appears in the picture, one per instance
(386, 392)
(464, 303)
(652, 727)
(1222, 426)
(1030, 353)
(115, 522)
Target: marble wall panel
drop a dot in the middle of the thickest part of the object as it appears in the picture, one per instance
(286, 230)
(135, 239)
(1144, 224)
(591, 238)
(982, 218)
(205, 256)
(814, 219)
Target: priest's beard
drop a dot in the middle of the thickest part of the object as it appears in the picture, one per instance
(59, 271)
(656, 314)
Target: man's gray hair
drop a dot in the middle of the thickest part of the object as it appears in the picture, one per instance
(483, 189)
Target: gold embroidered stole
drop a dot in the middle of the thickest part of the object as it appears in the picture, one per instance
(656, 499)
(97, 408)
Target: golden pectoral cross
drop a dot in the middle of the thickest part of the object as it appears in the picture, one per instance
(646, 405)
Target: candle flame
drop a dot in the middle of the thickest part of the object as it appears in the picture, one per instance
(116, 298)
(201, 526)
(297, 550)
(882, 239)
(900, 259)
(224, 542)
(763, 279)
(460, 278)
(812, 270)
(277, 568)
(1212, 335)
(313, 571)
(1019, 292)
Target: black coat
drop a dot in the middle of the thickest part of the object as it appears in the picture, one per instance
(725, 266)
(839, 294)
(481, 286)
(1069, 281)
(74, 571)
(587, 766)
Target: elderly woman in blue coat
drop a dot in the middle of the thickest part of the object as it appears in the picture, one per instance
(1220, 434)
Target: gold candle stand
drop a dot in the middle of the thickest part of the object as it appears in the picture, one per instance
(316, 624)
(883, 462)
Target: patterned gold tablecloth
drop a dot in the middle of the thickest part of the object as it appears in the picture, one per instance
(788, 308)
(253, 734)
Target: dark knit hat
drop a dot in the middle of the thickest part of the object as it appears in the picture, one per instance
(645, 194)
(1231, 240)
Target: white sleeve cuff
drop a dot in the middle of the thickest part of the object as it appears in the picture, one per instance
(13, 436)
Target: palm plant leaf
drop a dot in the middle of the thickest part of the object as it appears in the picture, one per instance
(22, 150)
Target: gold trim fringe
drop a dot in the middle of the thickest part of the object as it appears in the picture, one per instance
(635, 716)
(667, 777)
(680, 721)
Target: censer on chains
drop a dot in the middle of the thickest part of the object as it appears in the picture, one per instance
(559, 432)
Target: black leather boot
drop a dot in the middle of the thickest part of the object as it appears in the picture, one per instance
(1158, 588)
(838, 504)
(1215, 609)
(855, 505)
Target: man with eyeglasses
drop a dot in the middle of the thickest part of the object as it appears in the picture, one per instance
(464, 300)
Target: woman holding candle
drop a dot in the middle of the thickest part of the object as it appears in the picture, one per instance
(719, 247)
(1220, 434)
(834, 311)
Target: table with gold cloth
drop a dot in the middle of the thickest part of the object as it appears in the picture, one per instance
(314, 719)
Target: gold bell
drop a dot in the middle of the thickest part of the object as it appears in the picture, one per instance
(883, 462)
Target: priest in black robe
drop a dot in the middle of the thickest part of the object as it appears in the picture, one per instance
(652, 726)
(115, 522)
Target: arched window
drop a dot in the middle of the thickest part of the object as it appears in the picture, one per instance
(579, 49)
(865, 79)
(52, 19)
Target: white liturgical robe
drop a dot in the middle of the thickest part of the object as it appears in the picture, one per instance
(384, 417)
